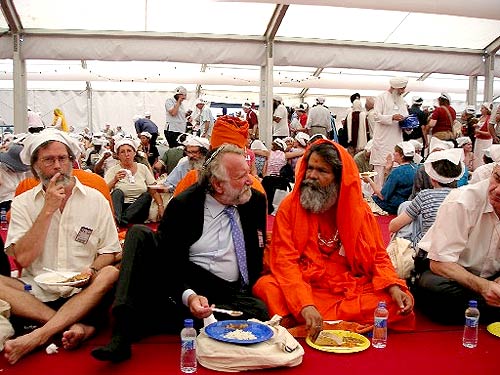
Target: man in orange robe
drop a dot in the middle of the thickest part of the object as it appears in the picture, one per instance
(327, 258)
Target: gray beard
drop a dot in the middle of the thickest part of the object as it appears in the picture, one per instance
(315, 198)
(196, 164)
(64, 179)
(397, 99)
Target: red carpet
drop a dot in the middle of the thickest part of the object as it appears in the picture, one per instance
(431, 349)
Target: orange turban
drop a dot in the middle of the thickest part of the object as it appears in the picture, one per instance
(229, 129)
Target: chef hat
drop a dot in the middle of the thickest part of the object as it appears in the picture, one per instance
(320, 100)
(302, 138)
(199, 101)
(258, 145)
(197, 141)
(408, 148)
(487, 105)
(461, 141)
(146, 134)
(246, 105)
(126, 141)
(33, 141)
(454, 155)
(398, 82)
(278, 98)
(436, 145)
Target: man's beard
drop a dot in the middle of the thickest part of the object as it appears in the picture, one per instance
(397, 98)
(196, 164)
(64, 179)
(316, 198)
(235, 196)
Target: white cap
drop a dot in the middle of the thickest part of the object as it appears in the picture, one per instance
(445, 96)
(461, 141)
(147, 114)
(437, 144)
(281, 143)
(408, 148)
(258, 145)
(302, 138)
(417, 100)
(197, 141)
(146, 134)
(398, 82)
(455, 155)
(35, 140)
(180, 90)
(278, 98)
(126, 141)
(320, 100)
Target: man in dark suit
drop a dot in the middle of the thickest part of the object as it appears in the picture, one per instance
(196, 237)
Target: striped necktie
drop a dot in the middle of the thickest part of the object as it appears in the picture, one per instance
(239, 243)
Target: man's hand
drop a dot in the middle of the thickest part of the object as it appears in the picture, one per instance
(55, 195)
(492, 293)
(199, 307)
(313, 319)
(397, 117)
(403, 300)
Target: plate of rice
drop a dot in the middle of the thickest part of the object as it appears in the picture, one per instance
(239, 331)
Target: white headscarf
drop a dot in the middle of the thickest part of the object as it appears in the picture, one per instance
(455, 155)
(35, 140)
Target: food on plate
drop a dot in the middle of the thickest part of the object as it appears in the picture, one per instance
(367, 174)
(326, 338)
(239, 334)
(79, 277)
(237, 326)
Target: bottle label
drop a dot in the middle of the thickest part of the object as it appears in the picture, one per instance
(471, 322)
(188, 344)
(380, 323)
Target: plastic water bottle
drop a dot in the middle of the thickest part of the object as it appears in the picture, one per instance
(3, 219)
(28, 288)
(188, 348)
(469, 339)
(379, 339)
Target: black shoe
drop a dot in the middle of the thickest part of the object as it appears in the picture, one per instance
(117, 350)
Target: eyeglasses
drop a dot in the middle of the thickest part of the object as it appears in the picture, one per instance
(213, 156)
(51, 160)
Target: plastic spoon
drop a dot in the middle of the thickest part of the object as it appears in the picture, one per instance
(229, 312)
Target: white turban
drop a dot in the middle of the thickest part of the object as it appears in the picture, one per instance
(197, 141)
(35, 140)
(455, 155)
(126, 141)
(302, 138)
(436, 143)
(408, 148)
(495, 153)
(258, 145)
(398, 82)
(461, 141)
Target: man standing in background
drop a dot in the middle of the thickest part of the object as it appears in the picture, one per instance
(319, 118)
(390, 108)
(280, 118)
(176, 116)
(253, 121)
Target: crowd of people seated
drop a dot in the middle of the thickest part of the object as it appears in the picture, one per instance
(70, 194)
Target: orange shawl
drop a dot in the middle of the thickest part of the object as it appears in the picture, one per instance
(341, 287)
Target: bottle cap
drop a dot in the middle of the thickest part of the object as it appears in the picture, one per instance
(472, 303)
(188, 322)
(27, 287)
(381, 304)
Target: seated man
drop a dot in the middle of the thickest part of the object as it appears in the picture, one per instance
(327, 258)
(415, 217)
(464, 251)
(198, 236)
(49, 228)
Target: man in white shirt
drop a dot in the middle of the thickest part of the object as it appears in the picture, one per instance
(50, 229)
(319, 118)
(390, 108)
(280, 118)
(463, 246)
(175, 116)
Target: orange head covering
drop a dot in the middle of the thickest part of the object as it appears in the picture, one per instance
(358, 229)
(229, 129)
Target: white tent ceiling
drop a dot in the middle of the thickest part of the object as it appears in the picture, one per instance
(217, 48)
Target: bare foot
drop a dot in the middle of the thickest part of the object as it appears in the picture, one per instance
(77, 333)
(15, 349)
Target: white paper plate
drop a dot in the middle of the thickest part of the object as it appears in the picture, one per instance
(53, 279)
(368, 174)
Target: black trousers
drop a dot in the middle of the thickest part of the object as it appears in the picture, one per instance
(135, 212)
(445, 300)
